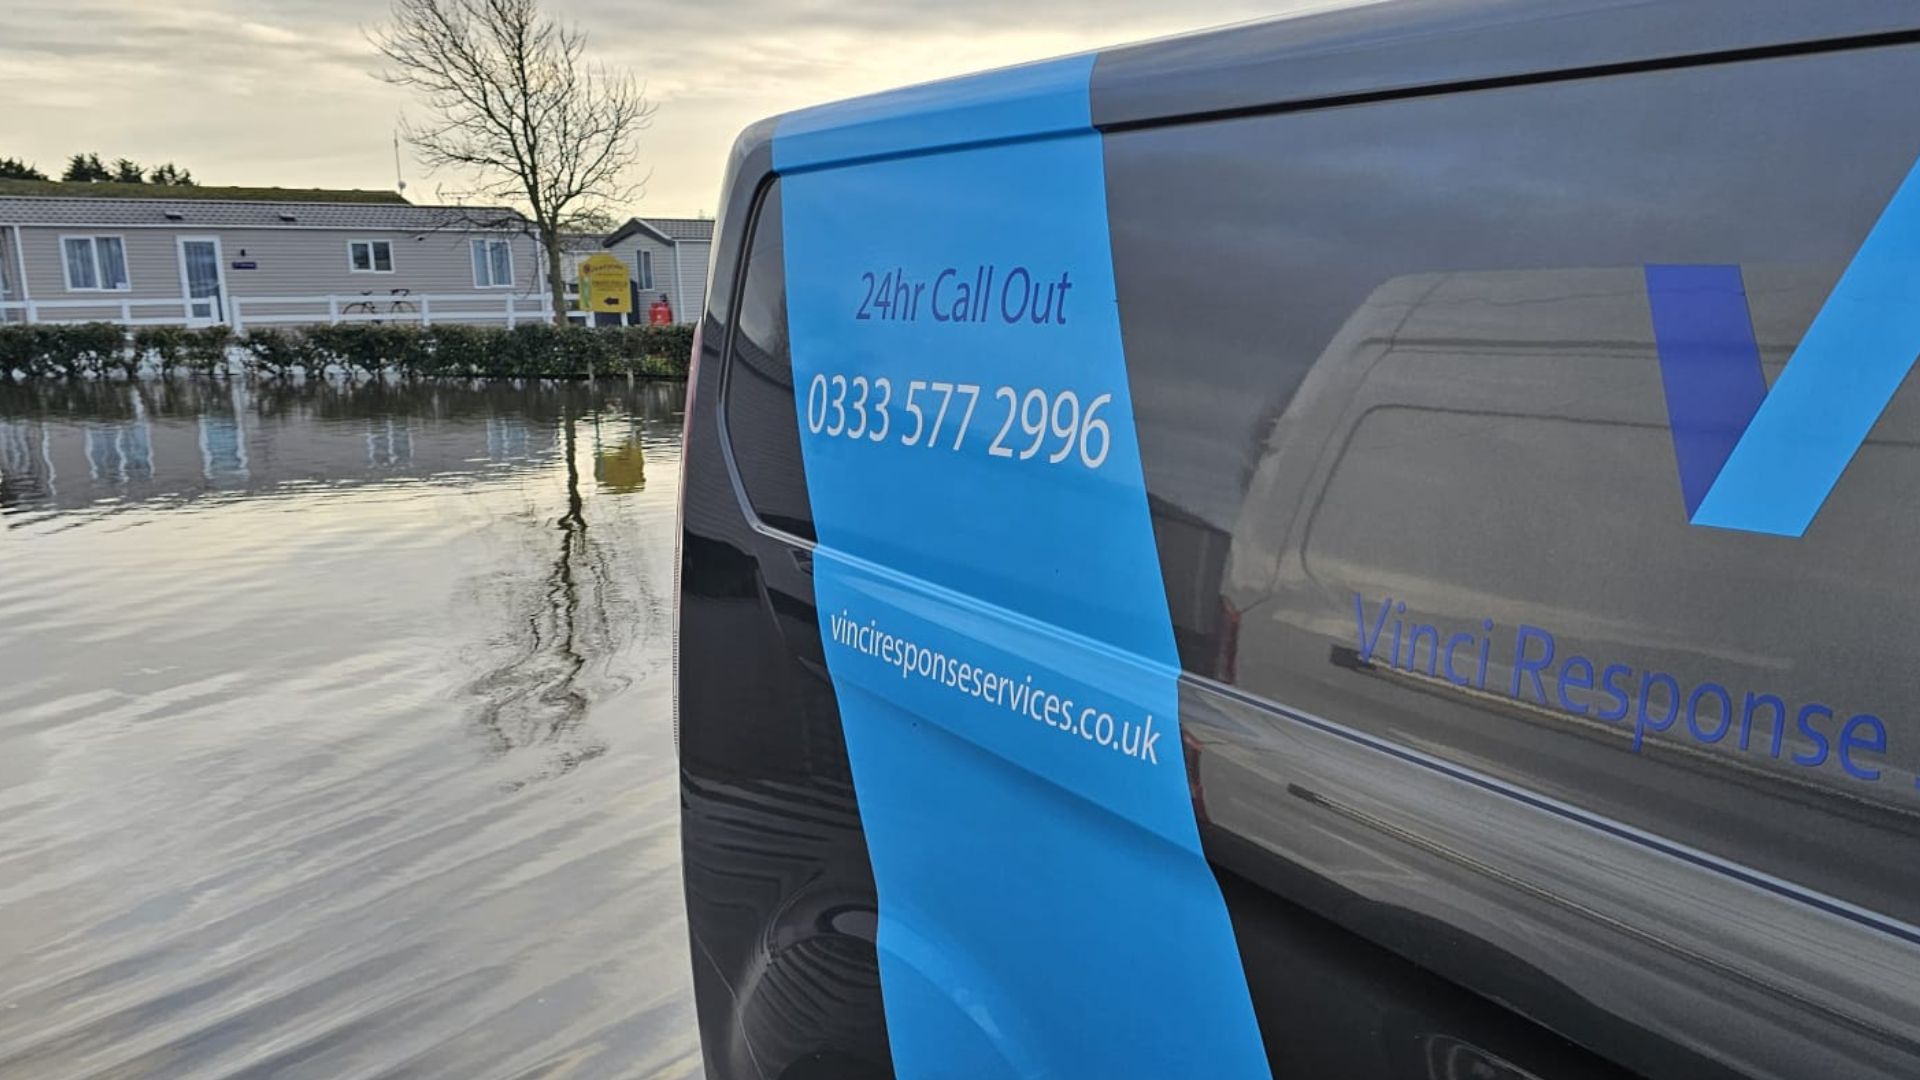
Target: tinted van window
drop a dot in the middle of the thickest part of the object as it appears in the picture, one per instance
(762, 428)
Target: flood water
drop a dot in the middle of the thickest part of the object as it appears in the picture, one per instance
(336, 732)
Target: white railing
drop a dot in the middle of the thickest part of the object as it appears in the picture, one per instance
(35, 311)
(421, 309)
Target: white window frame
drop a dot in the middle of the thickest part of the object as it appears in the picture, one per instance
(93, 241)
(490, 240)
(643, 270)
(9, 240)
(373, 264)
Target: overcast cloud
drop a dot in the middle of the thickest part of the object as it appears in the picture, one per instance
(281, 91)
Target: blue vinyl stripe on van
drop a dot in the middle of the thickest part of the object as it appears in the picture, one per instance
(1856, 354)
(1026, 102)
(990, 595)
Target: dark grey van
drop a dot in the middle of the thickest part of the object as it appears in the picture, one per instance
(1376, 544)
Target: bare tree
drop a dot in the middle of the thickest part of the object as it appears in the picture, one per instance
(515, 104)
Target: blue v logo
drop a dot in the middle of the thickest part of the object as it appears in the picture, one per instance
(1764, 462)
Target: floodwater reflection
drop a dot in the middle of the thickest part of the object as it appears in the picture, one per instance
(335, 731)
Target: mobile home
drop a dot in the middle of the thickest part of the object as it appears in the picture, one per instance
(242, 262)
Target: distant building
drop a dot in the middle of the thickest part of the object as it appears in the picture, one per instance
(196, 257)
(666, 256)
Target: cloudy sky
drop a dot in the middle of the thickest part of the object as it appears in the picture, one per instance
(280, 92)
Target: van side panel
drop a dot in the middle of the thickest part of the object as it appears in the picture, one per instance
(1501, 751)
(1461, 675)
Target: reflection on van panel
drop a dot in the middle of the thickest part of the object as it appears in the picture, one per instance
(1499, 401)
(1480, 465)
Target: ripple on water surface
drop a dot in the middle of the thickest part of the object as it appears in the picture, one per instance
(335, 732)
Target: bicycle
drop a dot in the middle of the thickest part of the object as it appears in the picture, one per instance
(396, 304)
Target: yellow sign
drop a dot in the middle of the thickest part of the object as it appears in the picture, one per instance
(603, 285)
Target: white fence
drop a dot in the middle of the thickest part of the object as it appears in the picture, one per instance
(507, 309)
(175, 311)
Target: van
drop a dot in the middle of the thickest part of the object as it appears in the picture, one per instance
(1377, 544)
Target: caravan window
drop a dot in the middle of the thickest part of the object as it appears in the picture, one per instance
(370, 256)
(492, 263)
(95, 263)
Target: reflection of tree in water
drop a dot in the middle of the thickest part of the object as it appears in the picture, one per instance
(563, 632)
(554, 636)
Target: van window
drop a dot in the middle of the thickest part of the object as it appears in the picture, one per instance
(762, 425)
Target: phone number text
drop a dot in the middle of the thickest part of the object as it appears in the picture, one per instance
(1031, 422)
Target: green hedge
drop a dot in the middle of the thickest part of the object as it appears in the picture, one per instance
(537, 350)
(53, 351)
